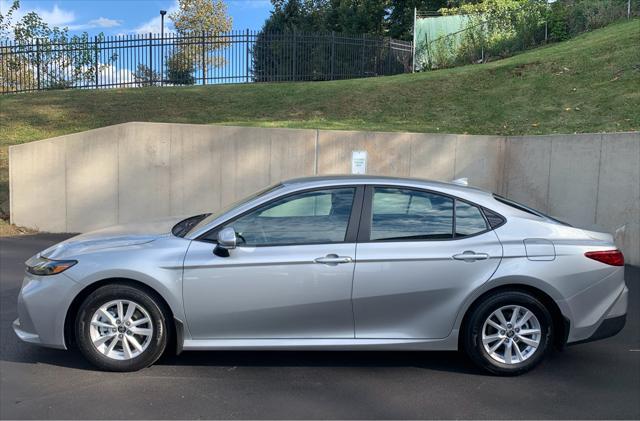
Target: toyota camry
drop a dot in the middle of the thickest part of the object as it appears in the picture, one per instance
(331, 263)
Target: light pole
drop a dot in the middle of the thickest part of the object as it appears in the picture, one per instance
(162, 13)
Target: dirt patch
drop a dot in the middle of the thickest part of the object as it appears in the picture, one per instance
(9, 230)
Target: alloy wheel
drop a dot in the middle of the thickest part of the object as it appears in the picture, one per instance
(511, 334)
(121, 329)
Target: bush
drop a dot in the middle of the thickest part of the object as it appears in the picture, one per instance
(500, 28)
(181, 68)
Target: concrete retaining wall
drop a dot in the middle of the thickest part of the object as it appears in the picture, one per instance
(134, 171)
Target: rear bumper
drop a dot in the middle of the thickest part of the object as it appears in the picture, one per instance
(610, 324)
(608, 328)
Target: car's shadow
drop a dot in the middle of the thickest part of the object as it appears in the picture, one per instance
(434, 360)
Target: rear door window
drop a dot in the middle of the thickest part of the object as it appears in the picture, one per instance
(404, 214)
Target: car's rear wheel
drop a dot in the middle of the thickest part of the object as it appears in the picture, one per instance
(508, 333)
(121, 328)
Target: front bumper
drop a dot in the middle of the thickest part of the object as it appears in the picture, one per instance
(42, 308)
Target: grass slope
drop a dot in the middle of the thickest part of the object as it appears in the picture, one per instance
(588, 84)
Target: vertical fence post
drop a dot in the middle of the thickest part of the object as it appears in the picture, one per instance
(204, 59)
(150, 59)
(362, 63)
(333, 53)
(95, 53)
(413, 45)
(389, 70)
(295, 60)
(628, 9)
(248, 43)
(162, 56)
(546, 31)
(38, 60)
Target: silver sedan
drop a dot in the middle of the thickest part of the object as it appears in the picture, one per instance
(333, 263)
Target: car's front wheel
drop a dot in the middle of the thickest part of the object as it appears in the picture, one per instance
(121, 328)
(508, 333)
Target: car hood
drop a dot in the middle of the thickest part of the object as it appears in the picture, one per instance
(111, 237)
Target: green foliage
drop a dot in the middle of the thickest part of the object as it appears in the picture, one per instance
(181, 68)
(399, 22)
(393, 18)
(145, 76)
(314, 58)
(50, 58)
(568, 18)
(197, 16)
(500, 28)
(194, 18)
(6, 19)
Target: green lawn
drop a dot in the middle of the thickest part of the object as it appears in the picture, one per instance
(588, 84)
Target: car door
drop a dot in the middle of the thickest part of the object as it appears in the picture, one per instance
(419, 255)
(290, 276)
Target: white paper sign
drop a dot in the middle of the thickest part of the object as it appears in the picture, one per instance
(359, 162)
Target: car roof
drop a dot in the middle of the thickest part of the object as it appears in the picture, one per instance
(374, 179)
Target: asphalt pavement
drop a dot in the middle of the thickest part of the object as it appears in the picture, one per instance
(595, 380)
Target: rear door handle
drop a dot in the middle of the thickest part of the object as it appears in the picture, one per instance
(470, 256)
(333, 259)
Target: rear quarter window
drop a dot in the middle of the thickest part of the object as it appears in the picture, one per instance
(469, 220)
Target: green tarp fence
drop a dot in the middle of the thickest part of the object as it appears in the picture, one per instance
(429, 29)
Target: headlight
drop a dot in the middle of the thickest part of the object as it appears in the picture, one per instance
(42, 266)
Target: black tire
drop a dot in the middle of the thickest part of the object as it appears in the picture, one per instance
(472, 332)
(104, 295)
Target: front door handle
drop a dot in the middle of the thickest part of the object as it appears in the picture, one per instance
(470, 256)
(333, 259)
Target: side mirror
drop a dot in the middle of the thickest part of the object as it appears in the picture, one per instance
(226, 241)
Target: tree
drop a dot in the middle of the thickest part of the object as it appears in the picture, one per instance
(202, 18)
(303, 56)
(145, 76)
(357, 16)
(6, 19)
(400, 20)
(43, 57)
(180, 68)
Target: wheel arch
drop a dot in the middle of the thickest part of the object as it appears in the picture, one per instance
(561, 323)
(174, 326)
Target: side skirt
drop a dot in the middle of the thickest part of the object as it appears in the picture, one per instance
(447, 344)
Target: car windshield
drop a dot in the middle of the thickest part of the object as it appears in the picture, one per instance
(194, 223)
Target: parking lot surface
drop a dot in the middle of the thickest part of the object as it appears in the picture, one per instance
(595, 380)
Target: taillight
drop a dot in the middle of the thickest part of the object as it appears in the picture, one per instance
(608, 257)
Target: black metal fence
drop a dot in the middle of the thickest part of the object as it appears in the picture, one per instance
(197, 59)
